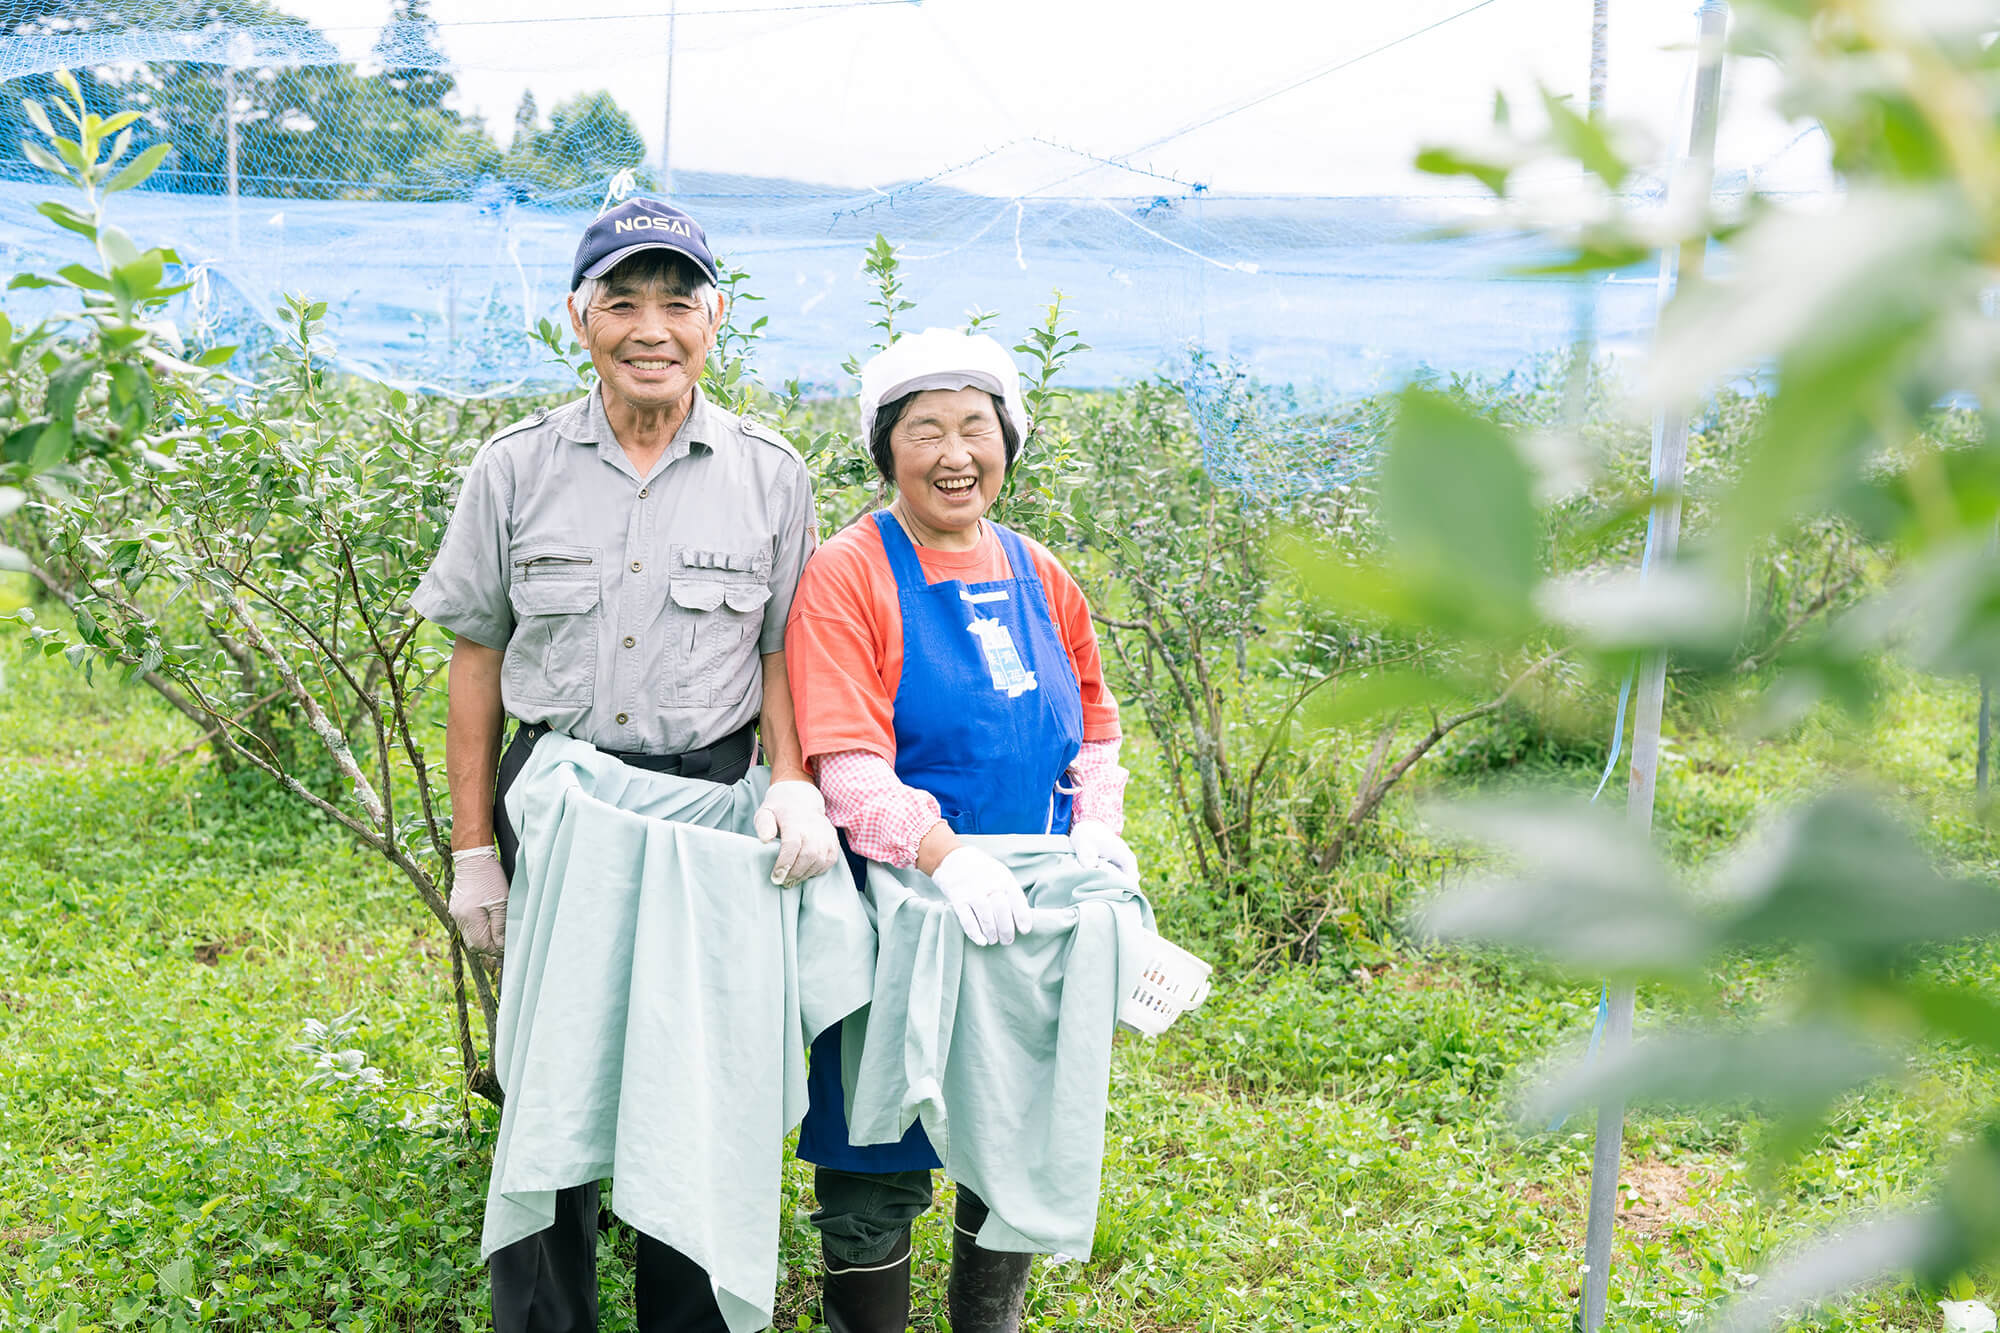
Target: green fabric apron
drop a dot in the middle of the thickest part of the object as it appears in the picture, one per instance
(1002, 1051)
(657, 1001)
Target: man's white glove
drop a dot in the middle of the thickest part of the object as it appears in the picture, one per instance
(479, 899)
(988, 899)
(794, 813)
(1096, 845)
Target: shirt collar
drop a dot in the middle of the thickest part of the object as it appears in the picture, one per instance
(590, 425)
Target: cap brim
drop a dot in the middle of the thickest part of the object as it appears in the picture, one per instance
(617, 257)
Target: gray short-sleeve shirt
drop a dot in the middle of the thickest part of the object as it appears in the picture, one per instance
(633, 610)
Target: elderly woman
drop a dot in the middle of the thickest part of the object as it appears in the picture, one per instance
(947, 682)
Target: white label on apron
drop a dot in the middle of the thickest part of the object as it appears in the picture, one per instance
(1003, 661)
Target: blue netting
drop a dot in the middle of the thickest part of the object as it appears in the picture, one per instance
(439, 243)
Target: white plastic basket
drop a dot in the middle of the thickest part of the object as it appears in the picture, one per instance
(1170, 982)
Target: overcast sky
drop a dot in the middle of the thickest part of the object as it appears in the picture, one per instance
(864, 94)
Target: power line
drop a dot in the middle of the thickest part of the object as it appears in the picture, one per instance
(623, 18)
(1295, 84)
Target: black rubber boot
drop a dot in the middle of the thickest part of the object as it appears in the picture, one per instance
(987, 1287)
(867, 1298)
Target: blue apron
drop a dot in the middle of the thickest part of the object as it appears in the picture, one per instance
(989, 716)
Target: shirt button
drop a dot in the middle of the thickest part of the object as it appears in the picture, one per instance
(630, 641)
(635, 566)
(621, 719)
(645, 491)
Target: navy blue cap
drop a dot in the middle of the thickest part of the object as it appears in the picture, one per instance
(635, 225)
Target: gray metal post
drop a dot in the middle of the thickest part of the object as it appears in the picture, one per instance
(1979, 781)
(229, 146)
(667, 126)
(1670, 432)
(1600, 25)
(1583, 346)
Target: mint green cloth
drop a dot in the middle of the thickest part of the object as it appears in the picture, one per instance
(658, 997)
(1003, 1051)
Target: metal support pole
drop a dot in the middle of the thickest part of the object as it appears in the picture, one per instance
(1979, 778)
(667, 126)
(1670, 432)
(1600, 25)
(1583, 346)
(230, 144)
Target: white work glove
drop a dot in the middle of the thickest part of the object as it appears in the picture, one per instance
(1096, 845)
(988, 899)
(479, 899)
(794, 814)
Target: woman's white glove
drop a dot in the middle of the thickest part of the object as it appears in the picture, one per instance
(794, 814)
(988, 899)
(479, 899)
(1096, 845)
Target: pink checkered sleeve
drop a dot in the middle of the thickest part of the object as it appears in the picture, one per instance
(884, 819)
(1100, 784)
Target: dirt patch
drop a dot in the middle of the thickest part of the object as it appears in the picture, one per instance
(211, 951)
(10, 1001)
(14, 1241)
(1653, 1197)
(1427, 976)
(1548, 1204)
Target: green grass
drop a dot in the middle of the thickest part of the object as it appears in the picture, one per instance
(1314, 1149)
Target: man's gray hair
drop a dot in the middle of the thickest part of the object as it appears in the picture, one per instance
(678, 274)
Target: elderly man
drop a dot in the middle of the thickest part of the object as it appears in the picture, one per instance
(620, 570)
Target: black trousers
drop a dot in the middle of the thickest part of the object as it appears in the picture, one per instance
(865, 1218)
(547, 1282)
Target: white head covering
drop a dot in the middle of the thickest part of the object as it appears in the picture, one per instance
(941, 359)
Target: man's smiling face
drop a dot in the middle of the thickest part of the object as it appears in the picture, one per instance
(648, 343)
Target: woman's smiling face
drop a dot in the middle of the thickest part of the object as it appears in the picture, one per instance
(950, 458)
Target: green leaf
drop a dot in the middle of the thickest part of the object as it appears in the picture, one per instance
(1793, 1071)
(20, 443)
(1364, 698)
(52, 446)
(1458, 511)
(46, 160)
(1683, 608)
(139, 168)
(1835, 1263)
(12, 560)
(68, 218)
(1585, 141)
(142, 276)
(1815, 877)
(177, 1278)
(1960, 1013)
(1590, 893)
(66, 386)
(79, 276)
(72, 153)
(38, 117)
(117, 248)
(1452, 162)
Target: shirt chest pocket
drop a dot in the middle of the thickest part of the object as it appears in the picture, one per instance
(715, 614)
(552, 657)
